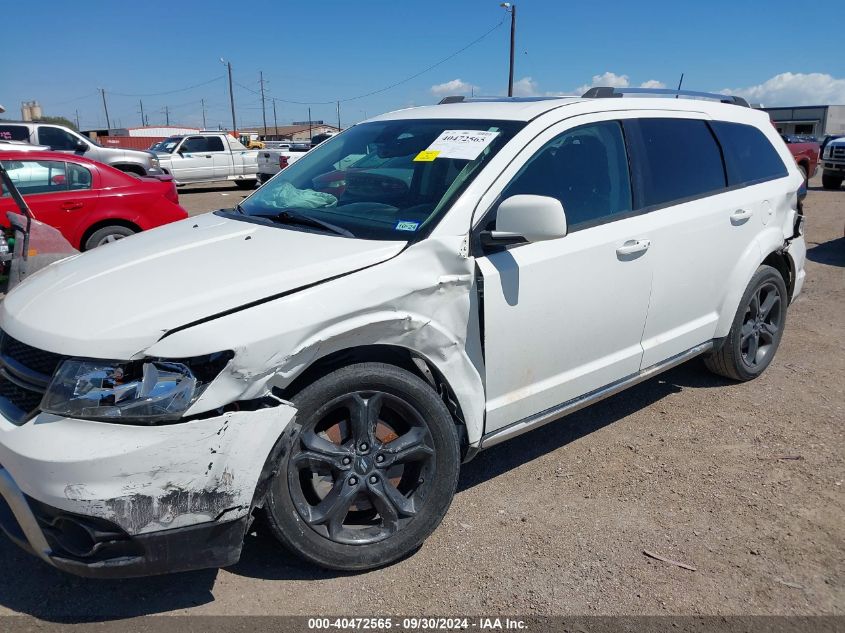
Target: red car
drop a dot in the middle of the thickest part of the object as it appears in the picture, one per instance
(88, 202)
(806, 154)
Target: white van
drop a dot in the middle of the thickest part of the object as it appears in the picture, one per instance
(330, 351)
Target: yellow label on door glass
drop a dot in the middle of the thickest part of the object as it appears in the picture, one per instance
(427, 155)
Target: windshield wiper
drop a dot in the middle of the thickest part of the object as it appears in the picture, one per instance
(292, 217)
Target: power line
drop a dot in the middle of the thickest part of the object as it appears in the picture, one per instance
(168, 92)
(386, 88)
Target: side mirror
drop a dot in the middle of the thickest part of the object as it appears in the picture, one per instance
(81, 146)
(527, 218)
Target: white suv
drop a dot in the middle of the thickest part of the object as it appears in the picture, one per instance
(331, 350)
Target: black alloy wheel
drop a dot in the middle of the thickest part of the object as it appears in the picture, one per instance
(370, 471)
(360, 473)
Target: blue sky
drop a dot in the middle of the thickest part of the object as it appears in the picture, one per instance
(325, 50)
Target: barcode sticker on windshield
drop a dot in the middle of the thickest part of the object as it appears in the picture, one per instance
(405, 225)
(461, 144)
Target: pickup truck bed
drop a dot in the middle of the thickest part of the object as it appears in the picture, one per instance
(272, 160)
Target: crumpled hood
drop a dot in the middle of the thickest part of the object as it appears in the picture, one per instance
(118, 299)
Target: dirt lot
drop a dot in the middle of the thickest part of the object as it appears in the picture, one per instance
(742, 481)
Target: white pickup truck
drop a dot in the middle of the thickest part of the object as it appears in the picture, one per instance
(277, 155)
(208, 157)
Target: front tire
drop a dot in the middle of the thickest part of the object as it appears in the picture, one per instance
(371, 472)
(246, 184)
(756, 331)
(831, 182)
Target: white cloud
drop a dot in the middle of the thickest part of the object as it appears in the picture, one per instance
(454, 87)
(525, 87)
(794, 89)
(616, 81)
(605, 79)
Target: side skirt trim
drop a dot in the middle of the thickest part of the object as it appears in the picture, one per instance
(571, 406)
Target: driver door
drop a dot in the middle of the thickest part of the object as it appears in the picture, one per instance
(192, 160)
(565, 317)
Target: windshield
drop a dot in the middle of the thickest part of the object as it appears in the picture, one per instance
(384, 180)
(167, 145)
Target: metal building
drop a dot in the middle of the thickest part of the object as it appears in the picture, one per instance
(813, 120)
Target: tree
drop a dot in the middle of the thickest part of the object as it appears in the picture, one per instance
(58, 120)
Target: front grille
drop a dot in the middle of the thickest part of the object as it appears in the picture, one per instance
(25, 372)
(33, 358)
(838, 152)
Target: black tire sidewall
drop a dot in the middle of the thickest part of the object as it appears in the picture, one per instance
(289, 526)
(763, 275)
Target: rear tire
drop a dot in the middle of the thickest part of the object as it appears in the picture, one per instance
(831, 182)
(756, 330)
(106, 235)
(371, 472)
(246, 184)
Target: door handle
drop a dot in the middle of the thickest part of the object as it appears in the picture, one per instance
(70, 206)
(741, 215)
(632, 247)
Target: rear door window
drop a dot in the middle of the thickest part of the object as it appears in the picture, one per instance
(14, 133)
(37, 176)
(214, 144)
(678, 159)
(749, 156)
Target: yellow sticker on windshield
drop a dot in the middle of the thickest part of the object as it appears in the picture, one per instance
(427, 155)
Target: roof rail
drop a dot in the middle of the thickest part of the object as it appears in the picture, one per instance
(603, 92)
(462, 99)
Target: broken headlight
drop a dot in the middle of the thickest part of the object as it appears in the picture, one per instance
(145, 391)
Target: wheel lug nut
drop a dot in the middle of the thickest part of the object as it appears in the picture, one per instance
(379, 458)
(364, 446)
(347, 460)
(373, 479)
(353, 481)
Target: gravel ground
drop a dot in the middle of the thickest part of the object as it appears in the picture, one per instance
(743, 482)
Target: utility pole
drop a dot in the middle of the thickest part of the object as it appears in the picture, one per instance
(141, 103)
(167, 116)
(309, 124)
(231, 94)
(202, 101)
(511, 8)
(263, 102)
(275, 121)
(77, 119)
(106, 108)
(338, 116)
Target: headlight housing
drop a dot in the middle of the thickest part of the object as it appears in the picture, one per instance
(148, 391)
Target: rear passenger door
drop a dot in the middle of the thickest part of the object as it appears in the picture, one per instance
(221, 157)
(698, 227)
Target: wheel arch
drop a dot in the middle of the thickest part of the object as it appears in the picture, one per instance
(767, 249)
(99, 224)
(405, 358)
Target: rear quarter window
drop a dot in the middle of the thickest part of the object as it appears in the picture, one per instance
(749, 155)
(14, 133)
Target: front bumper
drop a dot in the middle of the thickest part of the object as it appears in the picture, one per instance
(112, 500)
(834, 166)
